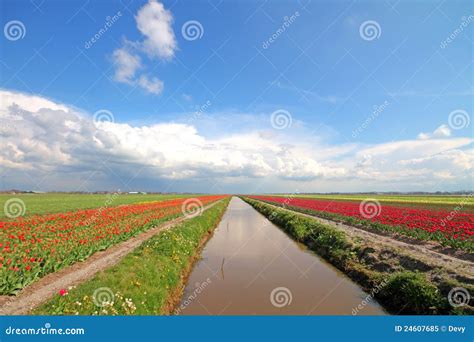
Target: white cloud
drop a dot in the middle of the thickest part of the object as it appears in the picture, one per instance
(154, 22)
(27, 102)
(410, 158)
(126, 65)
(62, 146)
(442, 131)
(153, 85)
(424, 136)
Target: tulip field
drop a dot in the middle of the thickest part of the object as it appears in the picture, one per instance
(35, 245)
(450, 225)
(56, 202)
(41, 234)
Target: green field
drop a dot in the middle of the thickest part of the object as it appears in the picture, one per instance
(62, 202)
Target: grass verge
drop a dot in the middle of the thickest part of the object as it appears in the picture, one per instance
(148, 281)
(400, 290)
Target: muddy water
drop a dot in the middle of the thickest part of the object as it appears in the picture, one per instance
(252, 267)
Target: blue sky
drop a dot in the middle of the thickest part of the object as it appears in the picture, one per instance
(325, 73)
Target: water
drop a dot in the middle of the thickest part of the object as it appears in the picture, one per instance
(251, 267)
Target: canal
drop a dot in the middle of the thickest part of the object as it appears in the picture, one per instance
(251, 267)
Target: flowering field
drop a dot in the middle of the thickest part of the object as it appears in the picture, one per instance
(49, 203)
(454, 228)
(40, 244)
(392, 199)
(143, 282)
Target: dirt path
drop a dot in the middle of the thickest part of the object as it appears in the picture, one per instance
(422, 251)
(43, 289)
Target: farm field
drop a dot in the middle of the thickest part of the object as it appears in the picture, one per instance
(61, 202)
(151, 277)
(143, 287)
(144, 281)
(409, 277)
(464, 203)
(34, 246)
(447, 225)
(227, 162)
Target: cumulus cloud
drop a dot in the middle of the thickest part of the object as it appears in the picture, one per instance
(153, 85)
(12, 101)
(126, 65)
(44, 141)
(48, 138)
(419, 165)
(154, 22)
(442, 131)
